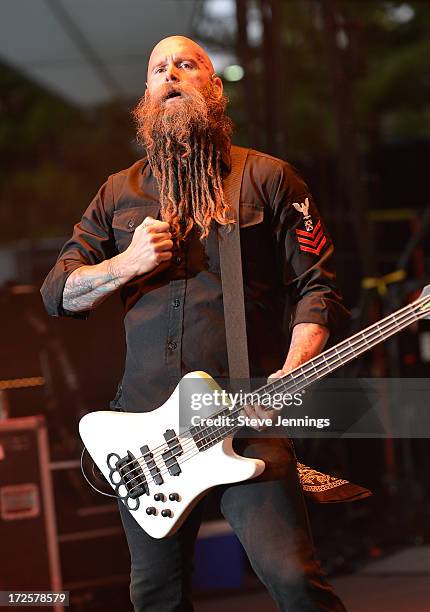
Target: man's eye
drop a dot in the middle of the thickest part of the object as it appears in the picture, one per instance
(186, 65)
(160, 69)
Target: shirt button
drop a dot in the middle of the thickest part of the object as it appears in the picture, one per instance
(171, 345)
(178, 260)
(130, 224)
(176, 303)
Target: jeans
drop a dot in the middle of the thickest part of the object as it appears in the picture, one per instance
(269, 517)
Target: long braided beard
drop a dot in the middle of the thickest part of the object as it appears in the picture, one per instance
(185, 141)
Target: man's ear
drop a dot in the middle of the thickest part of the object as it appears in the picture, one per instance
(216, 80)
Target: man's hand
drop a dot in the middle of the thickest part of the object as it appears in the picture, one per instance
(89, 285)
(151, 245)
(257, 415)
(307, 341)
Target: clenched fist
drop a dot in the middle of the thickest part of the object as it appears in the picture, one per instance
(151, 245)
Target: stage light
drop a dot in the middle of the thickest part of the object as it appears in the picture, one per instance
(233, 73)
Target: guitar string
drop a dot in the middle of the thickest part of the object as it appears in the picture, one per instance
(191, 444)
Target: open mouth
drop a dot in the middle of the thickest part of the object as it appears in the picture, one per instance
(171, 95)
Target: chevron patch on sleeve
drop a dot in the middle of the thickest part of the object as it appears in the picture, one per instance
(311, 241)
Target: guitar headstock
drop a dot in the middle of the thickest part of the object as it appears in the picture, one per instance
(424, 304)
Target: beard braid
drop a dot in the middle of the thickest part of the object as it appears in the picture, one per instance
(185, 141)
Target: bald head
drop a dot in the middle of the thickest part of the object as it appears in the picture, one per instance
(179, 45)
(178, 59)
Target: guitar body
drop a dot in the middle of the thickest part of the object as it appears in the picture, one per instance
(133, 455)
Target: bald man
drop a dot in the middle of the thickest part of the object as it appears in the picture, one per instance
(151, 232)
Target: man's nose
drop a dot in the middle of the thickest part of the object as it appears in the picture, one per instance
(172, 73)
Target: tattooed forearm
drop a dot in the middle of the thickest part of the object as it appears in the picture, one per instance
(308, 340)
(88, 286)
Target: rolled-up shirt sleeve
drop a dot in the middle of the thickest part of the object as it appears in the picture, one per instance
(304, 253)
(92, 241)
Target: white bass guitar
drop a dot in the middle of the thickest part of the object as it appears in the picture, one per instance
(160, 472)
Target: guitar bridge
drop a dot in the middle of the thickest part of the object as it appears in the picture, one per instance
(127, 472)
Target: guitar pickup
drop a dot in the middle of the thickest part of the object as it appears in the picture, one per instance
(171, 463)
(175, 449)
(173, 442)
(153, 468)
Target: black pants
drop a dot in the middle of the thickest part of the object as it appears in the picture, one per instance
(269, 517)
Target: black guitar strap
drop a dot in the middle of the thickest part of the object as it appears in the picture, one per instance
(231, 273)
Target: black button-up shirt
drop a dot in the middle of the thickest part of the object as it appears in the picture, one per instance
(173, 316)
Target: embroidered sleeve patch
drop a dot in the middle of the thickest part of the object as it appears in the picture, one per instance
(311, 239)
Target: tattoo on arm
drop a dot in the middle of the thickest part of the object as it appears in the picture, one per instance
(88, 286)
(307, 341)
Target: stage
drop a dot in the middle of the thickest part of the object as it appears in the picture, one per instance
(397, 583)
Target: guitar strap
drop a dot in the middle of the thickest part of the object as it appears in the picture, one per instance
(231, 274)
(320, 487)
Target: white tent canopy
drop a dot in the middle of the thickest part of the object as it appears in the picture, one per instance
(89, 51)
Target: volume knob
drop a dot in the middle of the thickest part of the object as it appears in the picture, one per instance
(166, 512)
(159, 497)
(174, 497)
(151, 510)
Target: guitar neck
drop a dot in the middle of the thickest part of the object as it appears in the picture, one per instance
(347, 350)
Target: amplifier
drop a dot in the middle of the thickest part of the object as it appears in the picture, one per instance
(29, 549)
